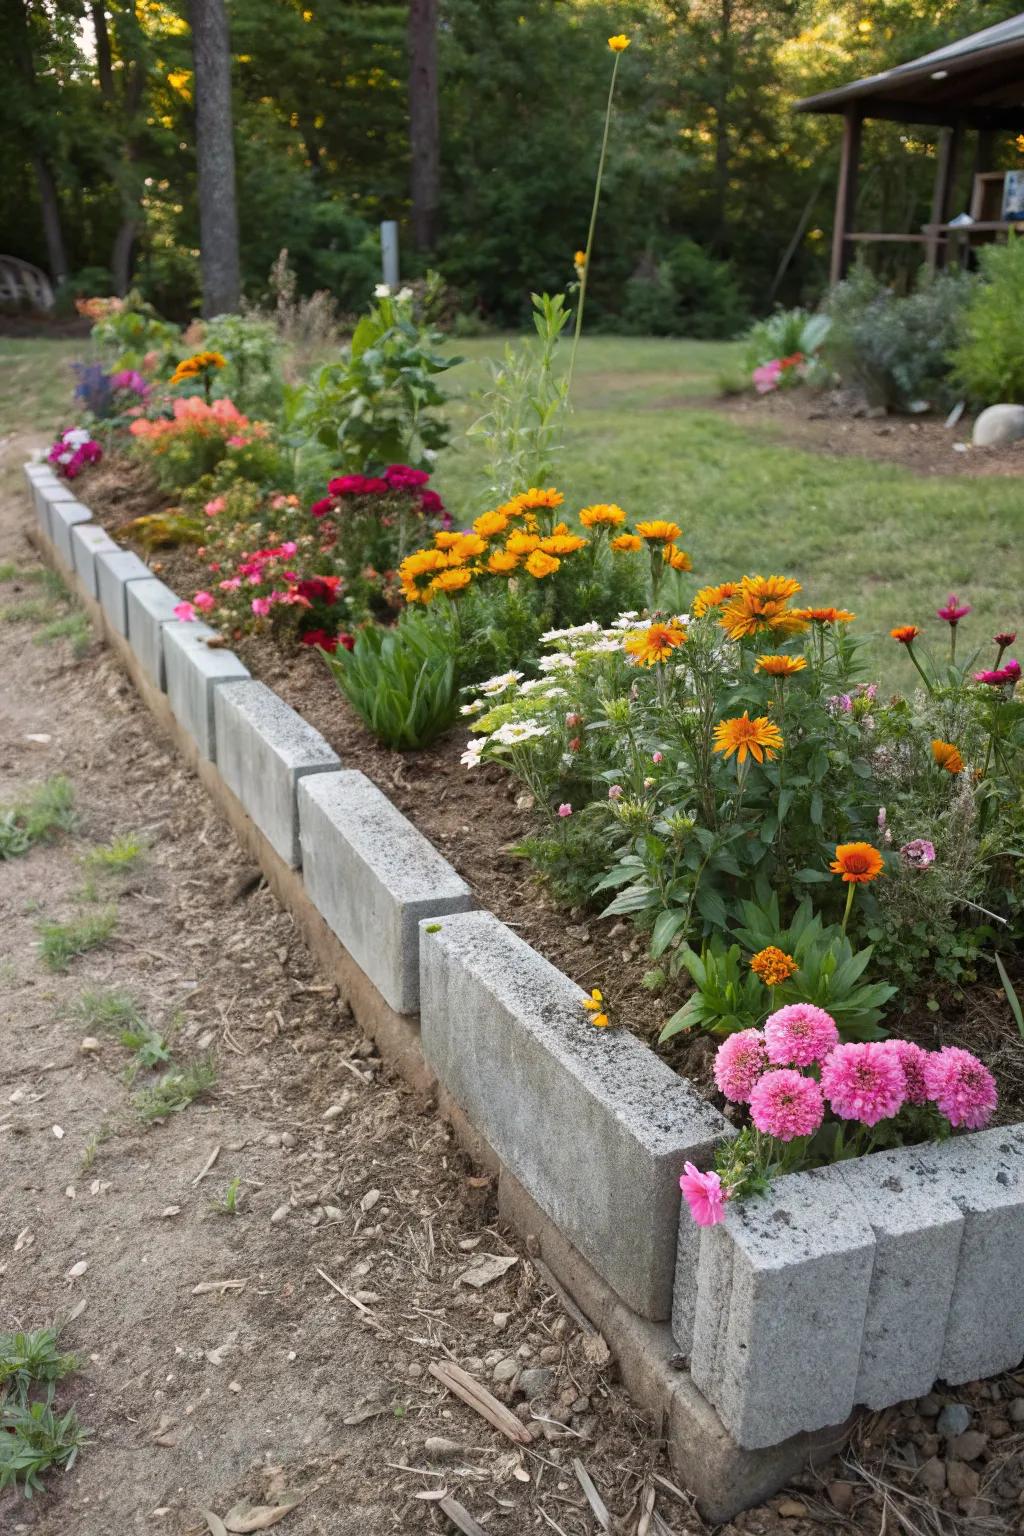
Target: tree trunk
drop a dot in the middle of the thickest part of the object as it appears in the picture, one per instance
(20, 44)
(215, 157)
(424, 127)
(121, 255)
(104, 66)
(722, 148)
(55, 252)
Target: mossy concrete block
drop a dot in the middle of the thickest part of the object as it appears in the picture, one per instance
(263, 749)
(65, 515)
(983, 1174)
(151, 605)
(374, 876)
(782, 1295)
(591, 1122)
(115, 570)
(87, 541)
(194, 670)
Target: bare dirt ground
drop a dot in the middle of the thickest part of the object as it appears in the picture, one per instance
(285, 1382)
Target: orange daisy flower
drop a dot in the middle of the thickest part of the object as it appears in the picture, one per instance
(602, 514)
(713, 597)
(678, 559)
(781, 666)
(520, 543)
(747, 614)
(906, 634)
(562, 543)
(533, 500)
(826, 615)
(858, 863)
(771, 589)
(540, 565)
(947, 756)
(656, 643)
(451, 581)
(658, 531)
(760, 737)
(502, 562)
(490, 523)
(627, 543)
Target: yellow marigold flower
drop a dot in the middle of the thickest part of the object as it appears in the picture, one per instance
(424, 563)
(619, 43)
(539, 564)
(603, 514)
(533, 500)
(451, 581)
(562, 544)
(446, 540)
(658, 531)
(747, 614)
(858, 863)
(654, 644)
(947, 756)
(712, 597)
(760, 737)
(502, 562)
(781, 666)
(468, 546)
(627, 543)
(678, 559)
(490, 523)
(600, 1020)
(520, 543)
(773, 966)
(771, 589)
(825, 615)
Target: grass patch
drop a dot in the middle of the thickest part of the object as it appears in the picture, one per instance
(60, 943)
(34, 1439)
(175, 1091)
(106, 1008)
(73, 627)
(45, 811)
(229, 1201)
(121, 854)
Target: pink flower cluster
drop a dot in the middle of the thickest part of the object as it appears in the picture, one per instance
(770, 375)
(397, 477)
(73, 450)
(999, 677)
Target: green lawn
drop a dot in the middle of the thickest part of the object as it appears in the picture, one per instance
(875, 538)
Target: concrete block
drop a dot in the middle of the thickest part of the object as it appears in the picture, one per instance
(374, 876)
(114, 571)
(983, 1174)
(263, 749)
(918, 1229)
(46, 492)
(87, 541)
(782, 1295)
(193, 670)
(65, 515)
(591, 1122)
(151, 605)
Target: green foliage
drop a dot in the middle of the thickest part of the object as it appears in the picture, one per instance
(175, 1091)
(400, 682)
(60, 943)
(783, 333)
(107, 1008)
(30, 1358)
(252, 379)
(33, 1438)
(73, 627)
(896, 350)
(131, 328)
(989, 360)
(229, 1201)
(39, 816)
(123, 853)
(728, 996)
(690, 293)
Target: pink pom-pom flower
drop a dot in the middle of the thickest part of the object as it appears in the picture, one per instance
(864, 1081)
(914, 1062)
(785, 1104)
(739, 1062)
(704, 1195)
(799, 1035)
(961, 1086)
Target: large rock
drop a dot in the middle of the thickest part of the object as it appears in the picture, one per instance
(999, 424)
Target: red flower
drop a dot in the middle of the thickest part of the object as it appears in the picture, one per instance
(431, 502)
(357, 485)
(954, 610)
(402, 477)
(319, 589)
(322, 507)
(1007, 637)
(327, 641)
(347, 641)
(792, 361)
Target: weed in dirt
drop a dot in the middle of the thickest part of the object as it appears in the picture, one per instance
(33, 1438)
(29, 1358)
(73, 627)
(59, 943)
(33, 610)
(175, 1091)
(150, 1047)
(44, 811)
(229, 1201)
(121, 854)
(92, 1146)
(106, 1008)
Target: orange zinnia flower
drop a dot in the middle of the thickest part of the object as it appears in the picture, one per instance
(747, 615)
(658, 531)
(602, 514)
(502, 562)
(781, 666)
(759, 737)
(947, 756)
(490, 523)
(539, 564)
(678, 559)
(654, 644)
(826, 615)
(520, 543)
(906, 634)
(533, 499)
(858, 863)
(562, 544)
(467, 545)
(627, 543)
(773, 966)
(451, 581)
(713, 597)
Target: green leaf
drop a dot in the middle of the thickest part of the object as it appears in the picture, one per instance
(711, 907)
(1011, 995)
(666, 927)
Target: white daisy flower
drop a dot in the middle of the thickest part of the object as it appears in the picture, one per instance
(499, 684)
(604, 646)
(474, 708)
(626, 620)
(403, 295)
(516, 731)
(556, 662)
(474, 750)
(382, 291)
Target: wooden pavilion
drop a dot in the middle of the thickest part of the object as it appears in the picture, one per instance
(974, 85)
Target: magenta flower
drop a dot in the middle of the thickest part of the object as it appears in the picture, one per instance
(704, 1195)
(766, 378)
(322, 507)
(1009, 673)
(261, 606)
(954, 610)
(864, 1081)
(739, 1062)
(205, 601)
(961, 1086)
(918, 853)
(184, 611)
(799, 1035)
(914, 1062)
(787, 1104)
(565, 809)
(1005, 638)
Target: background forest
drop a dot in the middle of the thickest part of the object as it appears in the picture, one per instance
(717, 196)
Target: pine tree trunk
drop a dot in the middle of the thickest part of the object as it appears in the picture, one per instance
(424, 125)
(215, 156)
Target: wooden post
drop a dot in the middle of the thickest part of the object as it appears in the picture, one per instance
(846, 192)
(945, 171)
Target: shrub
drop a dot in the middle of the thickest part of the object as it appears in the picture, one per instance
(400, 682)
(989, 360)
(784, 334)
(689, 293)
(252, 377)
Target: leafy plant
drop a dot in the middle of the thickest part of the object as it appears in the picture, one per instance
(45, 811)
(988, 361)
(401, 682)
(783, 333)
(123, 852)
(175, 1091)
(60, 943)
(26, 1358)
(229, 1200)
(33, 1438)
(100, 1008)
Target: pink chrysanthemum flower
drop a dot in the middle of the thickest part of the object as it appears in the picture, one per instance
(800, 1034)
(864, 1081)
(704, 1195)
(787, 1104)
(739, 1062)
(914, 1062)
(962, 1087)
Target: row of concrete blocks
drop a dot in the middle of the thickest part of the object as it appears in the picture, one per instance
(859, 1284)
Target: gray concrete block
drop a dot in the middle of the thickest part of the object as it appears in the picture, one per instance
(114, 571)
(193, 670)
(782, 1295)
(44, 491)
(374, 876)
(591, 1122)
(918, 1229)
(263, 749)
(151, 605)
(87, 541)
(983, 1174)
(63, 517)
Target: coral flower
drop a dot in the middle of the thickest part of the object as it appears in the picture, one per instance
(786, 1104)
(759, 737)
(858, 863)
(739, 1062)
(961, 1086)
(906, 634)
(627, 543)
(947, 756)
(954, 610)
(781, 666)
(490, 523)
(658, 531)
(654, 644)
(799, 1035)
(619, 43)
(827, 615)
(864, 1081)
(565, 809)
(713, 597)
(704, 1195)
(678, 559)
(602, 514)
(773, 965)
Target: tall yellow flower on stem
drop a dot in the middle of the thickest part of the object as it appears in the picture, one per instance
(760, 737)
(619, 43)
